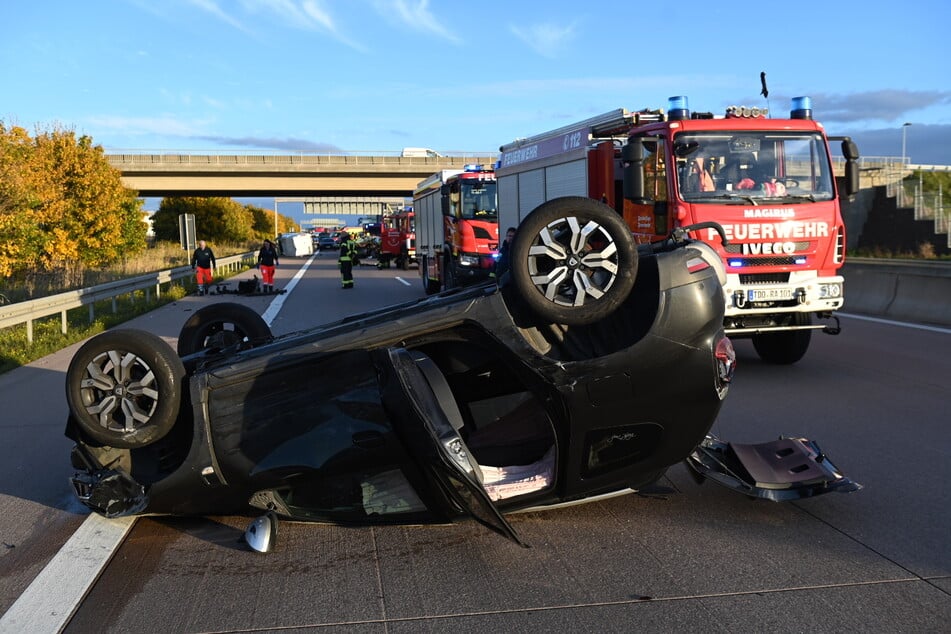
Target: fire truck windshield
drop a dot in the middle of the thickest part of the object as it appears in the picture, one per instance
(723, 167)
(479, 200)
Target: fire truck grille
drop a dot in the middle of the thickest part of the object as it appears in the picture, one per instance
(764, 278)
(777, 261)
(737, 247)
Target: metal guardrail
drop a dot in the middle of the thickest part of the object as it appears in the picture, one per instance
(917, 291)
(29, 311)
(924, 268)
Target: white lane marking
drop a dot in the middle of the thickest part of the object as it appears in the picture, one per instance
(278, 302)
(905, 324)
(52, 598)
(402, 281)
(49, 602)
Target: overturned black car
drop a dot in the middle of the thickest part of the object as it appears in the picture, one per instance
(589, 369)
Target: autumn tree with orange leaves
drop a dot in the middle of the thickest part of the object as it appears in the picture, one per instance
(63, 208)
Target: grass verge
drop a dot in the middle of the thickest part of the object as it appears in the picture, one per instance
(16, 351)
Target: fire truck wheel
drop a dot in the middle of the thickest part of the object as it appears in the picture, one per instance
(124, 388)
(449, 272)
(784, 347)
(573, 260)
(220, 325)
(429, 286)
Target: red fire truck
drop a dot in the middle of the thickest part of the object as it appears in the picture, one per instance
(457, 227)
(397, 239)
(767, 182)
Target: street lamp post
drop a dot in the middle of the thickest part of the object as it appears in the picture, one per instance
(901, 179)
(904, 127)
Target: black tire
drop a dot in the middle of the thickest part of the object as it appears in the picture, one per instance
(429, 286)
(222, 324)
(784, 347)
(403, 261)
(573, 261)
(448, 271)
(124, 388)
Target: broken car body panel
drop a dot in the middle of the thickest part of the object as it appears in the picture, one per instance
(781, 470)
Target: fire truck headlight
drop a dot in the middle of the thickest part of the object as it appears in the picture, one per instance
(830, 291)
(469, 260)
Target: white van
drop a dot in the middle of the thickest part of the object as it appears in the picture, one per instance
(420, 152)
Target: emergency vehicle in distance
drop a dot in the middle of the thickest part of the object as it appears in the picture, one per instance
(397, 239)
(768, 182)
(457, 228)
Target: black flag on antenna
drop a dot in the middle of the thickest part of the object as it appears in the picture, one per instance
(762, 80)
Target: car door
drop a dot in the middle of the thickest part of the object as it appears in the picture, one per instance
(431, 432)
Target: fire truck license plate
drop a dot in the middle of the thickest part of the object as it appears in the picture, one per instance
(769, 294)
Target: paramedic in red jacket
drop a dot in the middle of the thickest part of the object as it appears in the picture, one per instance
(267, 262)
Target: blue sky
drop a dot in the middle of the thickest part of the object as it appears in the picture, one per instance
(374, 76)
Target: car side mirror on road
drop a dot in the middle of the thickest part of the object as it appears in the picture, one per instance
(261, 534)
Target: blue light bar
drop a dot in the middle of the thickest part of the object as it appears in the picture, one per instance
(677, 108)
(801, 108)
(472, 167)
(735, 263)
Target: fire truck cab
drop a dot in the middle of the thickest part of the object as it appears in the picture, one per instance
(397, 239)
(457, 227)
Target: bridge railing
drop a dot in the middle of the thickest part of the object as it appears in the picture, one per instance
(29, 311)
(172, 158)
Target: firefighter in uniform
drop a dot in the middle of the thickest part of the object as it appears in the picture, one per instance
(348, 253)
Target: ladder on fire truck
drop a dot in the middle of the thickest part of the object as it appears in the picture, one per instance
(601, 126)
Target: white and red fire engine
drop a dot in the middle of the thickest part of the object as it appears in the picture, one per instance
(397, 239)
(457, 227)
(768, 182)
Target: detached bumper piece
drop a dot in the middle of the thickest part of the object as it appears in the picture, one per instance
(109, 492)
(781, 470)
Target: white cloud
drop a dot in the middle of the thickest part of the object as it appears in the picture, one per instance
(306, 15)
(548, 40)
(138, 126)
(417, 16)
(211, 6)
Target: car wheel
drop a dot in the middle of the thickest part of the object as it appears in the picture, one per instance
(124, 388)
(574, 260)
(784, 347)
(220, 325)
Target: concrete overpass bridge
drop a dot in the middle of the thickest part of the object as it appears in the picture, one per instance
(298, 175)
